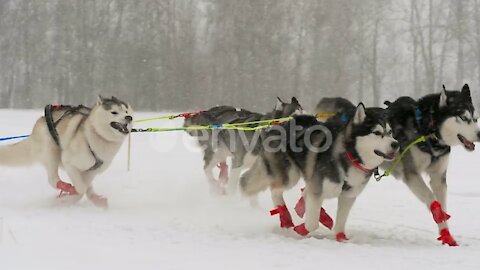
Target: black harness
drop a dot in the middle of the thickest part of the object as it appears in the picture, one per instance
(69, 111)
(432, 145)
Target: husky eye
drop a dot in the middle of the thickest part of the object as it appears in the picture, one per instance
(114, 113)
(465, 119)
(378, 133)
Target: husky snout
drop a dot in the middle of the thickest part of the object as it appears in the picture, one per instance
(395, 145)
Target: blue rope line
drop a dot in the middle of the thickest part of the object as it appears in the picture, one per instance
(217, 126)
(14, 138)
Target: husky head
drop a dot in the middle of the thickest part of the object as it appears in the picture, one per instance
(369, 137)
(330, 107)
(457, 118)
(112, 118)
(283, 109)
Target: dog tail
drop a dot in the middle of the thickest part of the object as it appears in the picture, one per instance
(255, 180)
(18, 154)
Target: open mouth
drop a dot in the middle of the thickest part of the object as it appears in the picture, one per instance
(470, 146)
(389, 156)
(122, 128)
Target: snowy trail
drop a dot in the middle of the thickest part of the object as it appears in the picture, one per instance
(162, 216)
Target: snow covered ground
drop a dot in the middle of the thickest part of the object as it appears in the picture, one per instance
(162, 216)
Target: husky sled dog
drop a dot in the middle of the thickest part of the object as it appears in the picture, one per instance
(350, 155)
(328, 107)
(81, 140)
(218, 145)
(446, 119)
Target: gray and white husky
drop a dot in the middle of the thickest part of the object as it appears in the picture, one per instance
(335, 159)
(446, 119)
(81, 140)
(240, 145)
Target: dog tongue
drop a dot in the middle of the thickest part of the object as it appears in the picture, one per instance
(468, 144)
(120, 127)
(391, 156)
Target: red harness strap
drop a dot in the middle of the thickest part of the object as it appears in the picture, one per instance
(190, 114)
(357, 164)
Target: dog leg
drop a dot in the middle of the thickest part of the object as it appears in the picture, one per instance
(419, 188)
(237, 166)
(439, 186)
(223, 174)
(325, 218)
(281, 210)
(313, 204)
(78, 189)
(438, 183)
(416, 184)
(97, 200)
(234, 180)
(77, 179)
(209, 165)
(52, 170)
(345, 204)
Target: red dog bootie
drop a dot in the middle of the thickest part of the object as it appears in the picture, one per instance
(301, 230)
(223, 175)
(325, 219)
(437, 212)
(285, 217)
(341, 237)
(300, 207)
(99, 201)
(446, 238)
(66, 188)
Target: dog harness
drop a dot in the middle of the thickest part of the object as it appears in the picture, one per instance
(69, 111)
(432, 144)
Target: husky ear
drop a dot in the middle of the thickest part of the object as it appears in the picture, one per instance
(99, 100)
(360, 114)
(295, 100)
(443, 99)
(466, 91)
(279, 104)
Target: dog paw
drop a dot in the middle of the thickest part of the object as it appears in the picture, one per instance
(341, 237)
(66, 189)
(218, 190)
(223, 175)
(301, 230)
(286, 221)
(99, 201)
(447, 239)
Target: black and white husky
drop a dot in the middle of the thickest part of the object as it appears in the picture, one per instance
(240, 145)
(335, 159)
(81, 140)
(446, 119)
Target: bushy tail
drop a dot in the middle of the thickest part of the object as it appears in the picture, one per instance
(255, 180)
(18, 154)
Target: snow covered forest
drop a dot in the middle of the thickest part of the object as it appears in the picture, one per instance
(193, 54)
